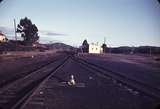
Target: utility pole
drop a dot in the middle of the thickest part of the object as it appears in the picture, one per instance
(104, 40)
(15, 33)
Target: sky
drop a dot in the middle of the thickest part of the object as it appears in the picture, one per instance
(121, 22)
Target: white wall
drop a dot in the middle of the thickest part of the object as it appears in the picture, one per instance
(94, 48)
(2, 38)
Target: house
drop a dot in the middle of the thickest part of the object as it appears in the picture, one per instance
(2, 37)
(94, 48)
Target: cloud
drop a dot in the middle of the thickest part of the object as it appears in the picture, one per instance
(45, 36)
(7, 30)
(50, 33)
(10, 31)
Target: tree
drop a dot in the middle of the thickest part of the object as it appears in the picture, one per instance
(1, 1)
(104, 46)
(28, 31)
(85, 46)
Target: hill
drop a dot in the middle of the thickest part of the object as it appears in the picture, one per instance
(131, 50)
(58, 46)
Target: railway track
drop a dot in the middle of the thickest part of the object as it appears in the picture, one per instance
(16, 94)
(118, 78)
(92, 90)
(31, 93)
(17, 76)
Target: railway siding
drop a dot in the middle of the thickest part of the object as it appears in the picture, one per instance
(18, 90)
(97, 91)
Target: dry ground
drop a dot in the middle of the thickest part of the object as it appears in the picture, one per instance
(152, 62)
(13, 61)
(23, 54)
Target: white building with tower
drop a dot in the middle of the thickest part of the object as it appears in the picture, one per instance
(95, 48)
